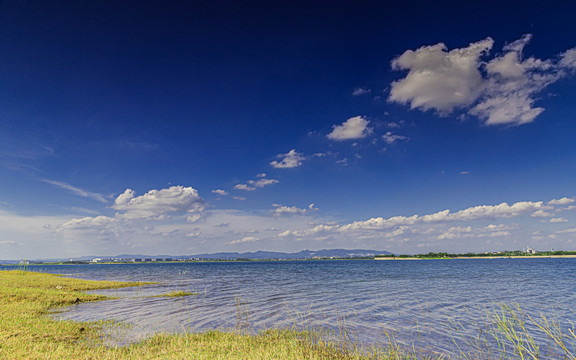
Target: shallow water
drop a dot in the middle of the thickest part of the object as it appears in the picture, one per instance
(412, 300)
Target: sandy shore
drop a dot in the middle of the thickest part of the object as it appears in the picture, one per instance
(482, 257)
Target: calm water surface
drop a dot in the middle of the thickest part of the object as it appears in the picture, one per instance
(413, 300)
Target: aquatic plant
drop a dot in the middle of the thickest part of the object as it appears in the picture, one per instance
(177, 293)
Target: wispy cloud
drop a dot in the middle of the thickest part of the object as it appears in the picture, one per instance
(361, 91)
(390, 138)
(77, 191)
(252, 185)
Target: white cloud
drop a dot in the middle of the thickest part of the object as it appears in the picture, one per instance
(353, 128)
(390, 138)
(245, 187)
(220, 192)
(361, 91)
(244, 240)
(476, 228)
(502, 210)
(440, 79)
(156, 203)
(444, 80)
(455, 232)
(558, 220)
(495, 211)
(541, 214)
(562, 201)
(77, 191)
(254, 184)
(88, 223)
(289, 160)
(263, 182)
(289, 210)
(568, 59)
(193, 218)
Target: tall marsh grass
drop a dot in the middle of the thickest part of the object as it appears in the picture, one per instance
(508, 332)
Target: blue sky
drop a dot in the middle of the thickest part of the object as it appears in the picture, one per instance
(140, 127)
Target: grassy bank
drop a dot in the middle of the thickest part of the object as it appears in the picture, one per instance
(27, 333)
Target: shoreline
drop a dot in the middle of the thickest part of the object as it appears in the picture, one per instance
(481, 257)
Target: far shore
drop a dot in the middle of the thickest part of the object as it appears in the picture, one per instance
(480, 257)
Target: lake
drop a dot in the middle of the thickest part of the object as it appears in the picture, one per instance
(414, 301)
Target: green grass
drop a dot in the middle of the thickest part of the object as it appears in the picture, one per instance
(27, 333)
(177, 293)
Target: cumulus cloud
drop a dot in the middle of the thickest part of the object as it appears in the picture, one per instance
(456, 232)
(245, 239)
(502, 210)
(462, 232)
(499, 91)
(353, 128)
(568, 60)
(495, 211)
(252, 185)
(558, 220)
(289, 160)
(77, 191)
(156, 203)
(541, 214)
(562, 201)
(220, 192)
(390, 138)
(440, 79)
(291, 210)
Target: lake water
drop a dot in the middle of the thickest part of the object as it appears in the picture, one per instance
(415, 301)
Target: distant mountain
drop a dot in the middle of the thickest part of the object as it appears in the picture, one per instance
(305, 254)
(258, 255)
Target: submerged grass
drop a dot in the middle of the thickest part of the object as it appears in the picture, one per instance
(177, 293)
(27, 333)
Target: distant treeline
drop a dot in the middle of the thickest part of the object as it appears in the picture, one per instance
(442, 255)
